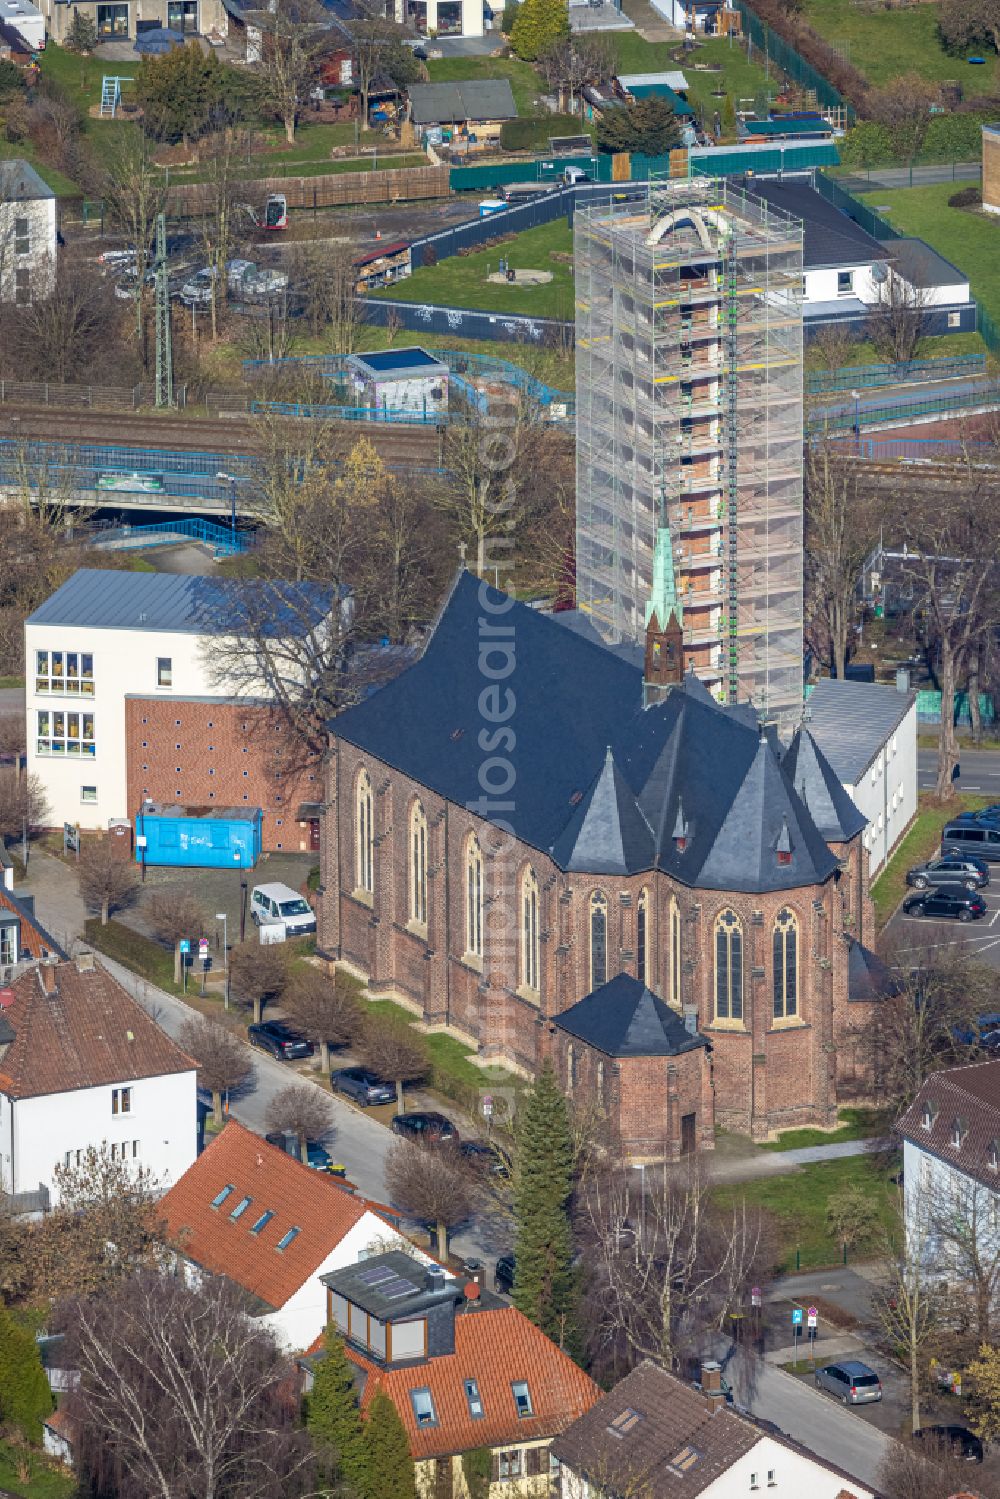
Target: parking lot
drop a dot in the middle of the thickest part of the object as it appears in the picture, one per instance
(909, 937)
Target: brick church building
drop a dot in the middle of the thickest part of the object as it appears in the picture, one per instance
(550, 848)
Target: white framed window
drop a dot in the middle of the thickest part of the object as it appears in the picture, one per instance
(164, 671)
(845, 283)
(62, 733)
(88, 793)
(511, 1463)
(71, 672)
(8, 944)
(954, 320)
(121, 1100)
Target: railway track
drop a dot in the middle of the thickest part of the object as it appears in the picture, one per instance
(236, 434)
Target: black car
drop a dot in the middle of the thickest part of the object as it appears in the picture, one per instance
(319, 1158)
(957, 1441)
(947, 901)
(959, 869)
(503, 1275)
(434, 1128)
(363, 1086)
(280, 1040)
(483, 1156)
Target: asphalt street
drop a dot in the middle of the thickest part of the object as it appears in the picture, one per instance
(979, 770)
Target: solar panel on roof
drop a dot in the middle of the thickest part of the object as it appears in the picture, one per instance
(376, 1276)
(393, 1289)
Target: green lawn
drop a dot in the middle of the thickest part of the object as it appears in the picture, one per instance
(461, 281)
(11, 681)
(882, 44)
(309, 156)
(526, 85)
(857, 1124)
(970, 240)
(919, 844)
(61, 185)
(47, 1480)
(799, 1201)
(453, 1072)
(81, 77)
(738, 77)
(946, 346)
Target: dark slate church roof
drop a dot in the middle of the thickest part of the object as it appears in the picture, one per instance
(599, 783)
(625, 1019)
(833, 811)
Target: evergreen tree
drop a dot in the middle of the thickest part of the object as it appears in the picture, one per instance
(82, 33)
(332, 1415)
(25, 1397)
(545, 1285)
(389, 1471)
(728, 116)
(538, 24)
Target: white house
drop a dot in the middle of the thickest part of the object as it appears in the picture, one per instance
(82, 1064)
(21, 16)
(442, 17)
(653, 1433)
(27, 233)
(105, 636)
(951, 1165)
(250, 1212)
(868, 734)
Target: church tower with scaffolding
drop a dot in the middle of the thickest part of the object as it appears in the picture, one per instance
(689, 401)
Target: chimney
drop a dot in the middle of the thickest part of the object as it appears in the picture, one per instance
(47, 976)
(85, 961)
(711, 1382)
(434, 1279)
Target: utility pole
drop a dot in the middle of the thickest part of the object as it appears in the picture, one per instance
(164, 353)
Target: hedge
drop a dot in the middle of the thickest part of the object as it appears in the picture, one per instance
(950, 137)
(534, 134)
(141, 954)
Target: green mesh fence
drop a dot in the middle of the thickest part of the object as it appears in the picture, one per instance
(789, 61)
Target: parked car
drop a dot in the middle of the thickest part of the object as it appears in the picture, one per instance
(503, 1275)
(947, 901)
(319, 1158)
(280, 1040)
(961, 869)
(486, 1157)
(363, 1086)
(279, 905)
(258, 285)
(198, 291)
(957, 1441)
(852, 1382)
(969, 836)
(434, 1128)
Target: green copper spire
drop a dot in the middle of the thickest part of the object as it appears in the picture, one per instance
(664, 599)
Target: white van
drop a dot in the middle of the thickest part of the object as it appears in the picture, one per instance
(572, 175)
(280, 906)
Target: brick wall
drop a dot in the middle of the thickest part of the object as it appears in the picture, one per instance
(991, 168)
(191, 752)
(768, 1074)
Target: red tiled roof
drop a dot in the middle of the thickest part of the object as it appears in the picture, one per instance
(494, 1347)
(87, 1033)
(967, 1094)
(298, 1196)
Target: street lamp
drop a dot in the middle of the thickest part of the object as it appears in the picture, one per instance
(224, 918)
(232, 481)
(856, 395)
(238, 856)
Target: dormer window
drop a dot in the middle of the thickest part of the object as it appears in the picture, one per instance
(682, 830)
(522, 1398)
(783, 846)
(959, 1130)
(423, 1407)
(993, 1155)
(928, 1115)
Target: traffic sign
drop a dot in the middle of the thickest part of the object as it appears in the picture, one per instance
(755, 1297)
(813, 1316)
(487, 1105)
(184, 945)
(796, 1316)
(203, 947)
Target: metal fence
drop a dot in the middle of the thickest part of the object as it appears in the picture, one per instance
(912, 449)
(513, 219)
(374, 415)
(869, 220)
(225, 540)
(864, 377)
(983, 398)
(789, 61)
(470, 322)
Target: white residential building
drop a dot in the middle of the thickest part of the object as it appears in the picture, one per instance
(21, 16)
(868, 734)
(951, 1166)
(250, 1212)
(442, 17)
(82, 1064)
(105, 636)
(27, 233)
(654, 1434)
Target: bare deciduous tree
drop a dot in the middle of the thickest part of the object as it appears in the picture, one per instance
(394, 1051)
(909, 1302)
(24, 805)
(959, 1217)
(895, 323)
(930, 1471)
(665, 1265)
(326, 278)
(301, 1110)
(224, 1062)
(59, 337)
(181, 1392)
(133, 190)
(833, 345)
(905, 107)
(172, 915)
(324, 1010)
(108, 881)
(841, 527)
(430, 1183)
(293, 46)
(258, 974)
(483, 500)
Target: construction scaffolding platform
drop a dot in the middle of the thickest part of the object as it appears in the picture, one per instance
(689, 402)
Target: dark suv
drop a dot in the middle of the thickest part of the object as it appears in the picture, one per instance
(280, 1040)
(947, 901)
(968, 835)
(958, 869)
(433, 1128)
(503, 1275)
(363, 1086)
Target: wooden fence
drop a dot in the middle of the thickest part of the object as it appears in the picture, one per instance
(188, 200)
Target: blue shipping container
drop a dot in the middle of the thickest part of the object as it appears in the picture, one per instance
(223, 838)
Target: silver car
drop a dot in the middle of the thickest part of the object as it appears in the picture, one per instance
(852, 1382)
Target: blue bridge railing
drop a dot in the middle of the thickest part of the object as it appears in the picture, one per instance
(223, 539)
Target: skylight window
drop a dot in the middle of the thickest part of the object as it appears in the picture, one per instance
(686, 1459)
(226, 1192)
(240, 1208)
(624, 1422)
(522, 1398)
(474, 1398)
(288, 1238)
(262, 1221)
(423, 1407)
